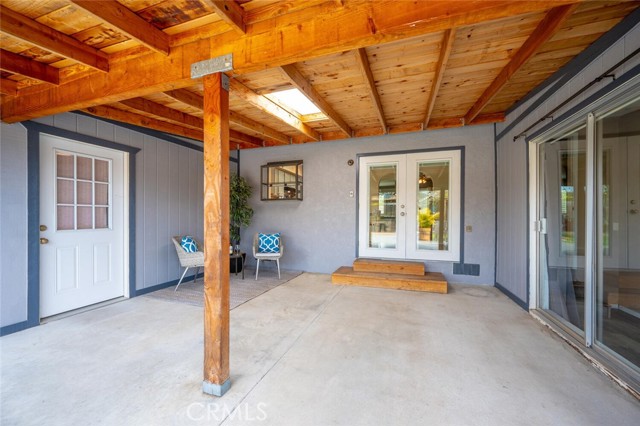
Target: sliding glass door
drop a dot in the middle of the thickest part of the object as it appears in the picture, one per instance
(587, 231)
(562, 221)
(618, 236)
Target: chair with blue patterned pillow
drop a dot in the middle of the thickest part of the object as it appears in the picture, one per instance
(267, 247)
(190, 255)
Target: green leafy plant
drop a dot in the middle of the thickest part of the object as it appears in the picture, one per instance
(240, 213)
(427, 219)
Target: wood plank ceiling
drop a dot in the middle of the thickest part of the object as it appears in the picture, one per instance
(371, 67)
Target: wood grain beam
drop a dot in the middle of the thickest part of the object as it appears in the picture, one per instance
(363, 63)
(22, 65)
(186, 97)
(33, 32)
(231, 13)
(267, 105)
(356, 25)
(549, 25)
(112, 113)
(216, 235)
(129, 117)
(445, 50)
(299, 81)
(127, 22)
(196, 101)
(153, 108)
(259, 128)
(8, 87)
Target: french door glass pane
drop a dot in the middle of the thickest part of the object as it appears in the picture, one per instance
(618, 216)
(382, 206)
(563, 209)
(432, 222)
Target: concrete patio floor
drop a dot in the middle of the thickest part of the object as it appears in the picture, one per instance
(309, 353)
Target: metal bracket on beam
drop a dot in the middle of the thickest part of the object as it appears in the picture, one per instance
(212, 66)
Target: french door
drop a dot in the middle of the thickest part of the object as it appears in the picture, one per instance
(409, 206)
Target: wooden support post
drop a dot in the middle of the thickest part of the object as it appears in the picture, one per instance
(216, 234)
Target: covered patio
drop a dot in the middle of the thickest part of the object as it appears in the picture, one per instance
(308, 352)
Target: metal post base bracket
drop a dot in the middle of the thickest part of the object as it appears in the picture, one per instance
(215, 389)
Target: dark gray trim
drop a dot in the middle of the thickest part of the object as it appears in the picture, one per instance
(33, 221)
(495, 203)
(171, 283)
(568, 71)
(623, 79)
(33, 204)
(415, 151)
(13, 328)
(513, 297)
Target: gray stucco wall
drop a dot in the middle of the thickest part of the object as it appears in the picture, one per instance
(13, 224)
(320, 231)
(169, 186)
(512, 169)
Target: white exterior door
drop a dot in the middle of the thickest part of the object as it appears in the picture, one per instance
(82, 225)
(409, 206)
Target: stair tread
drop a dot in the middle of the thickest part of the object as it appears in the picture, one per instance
(404, 267)
(428, 276)
(433, 282)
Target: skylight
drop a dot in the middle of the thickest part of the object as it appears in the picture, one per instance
(294, 100)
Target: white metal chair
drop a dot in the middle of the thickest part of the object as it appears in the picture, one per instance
(266, 256)
(188, 260)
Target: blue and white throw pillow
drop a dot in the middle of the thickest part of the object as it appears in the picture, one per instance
(269, 243)
(189, 244)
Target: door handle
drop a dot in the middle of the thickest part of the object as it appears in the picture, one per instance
(633, 211)
(402, 214)
(44, 241)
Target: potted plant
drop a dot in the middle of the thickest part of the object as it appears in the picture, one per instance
(240, 213)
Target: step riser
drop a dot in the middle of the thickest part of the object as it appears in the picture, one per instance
(427, 286)
(389, 267)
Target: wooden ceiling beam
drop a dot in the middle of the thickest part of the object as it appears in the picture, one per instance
(356, 25)
(363, 63)
(22, 65)
(236, 136)
(128, 22)
(257, 127)
(268, 106)
(33, 32)
(549, 25)
(187, 97)
(299, 81)
(231, 13)
(162, 111)
(196, 101)
(8, 87)
(123, 116)
(445, 50)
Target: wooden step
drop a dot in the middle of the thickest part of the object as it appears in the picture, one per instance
(401, 267)
(433, 282)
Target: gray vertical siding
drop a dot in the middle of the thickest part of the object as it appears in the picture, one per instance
(13, 224)
(169, 181)
(320, 231)
(512, 262)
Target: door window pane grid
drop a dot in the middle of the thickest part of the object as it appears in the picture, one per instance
(83, 192)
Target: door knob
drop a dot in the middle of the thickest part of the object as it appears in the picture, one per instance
(44, 241)
(633, 211)
(43, 228)
(402, 214)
